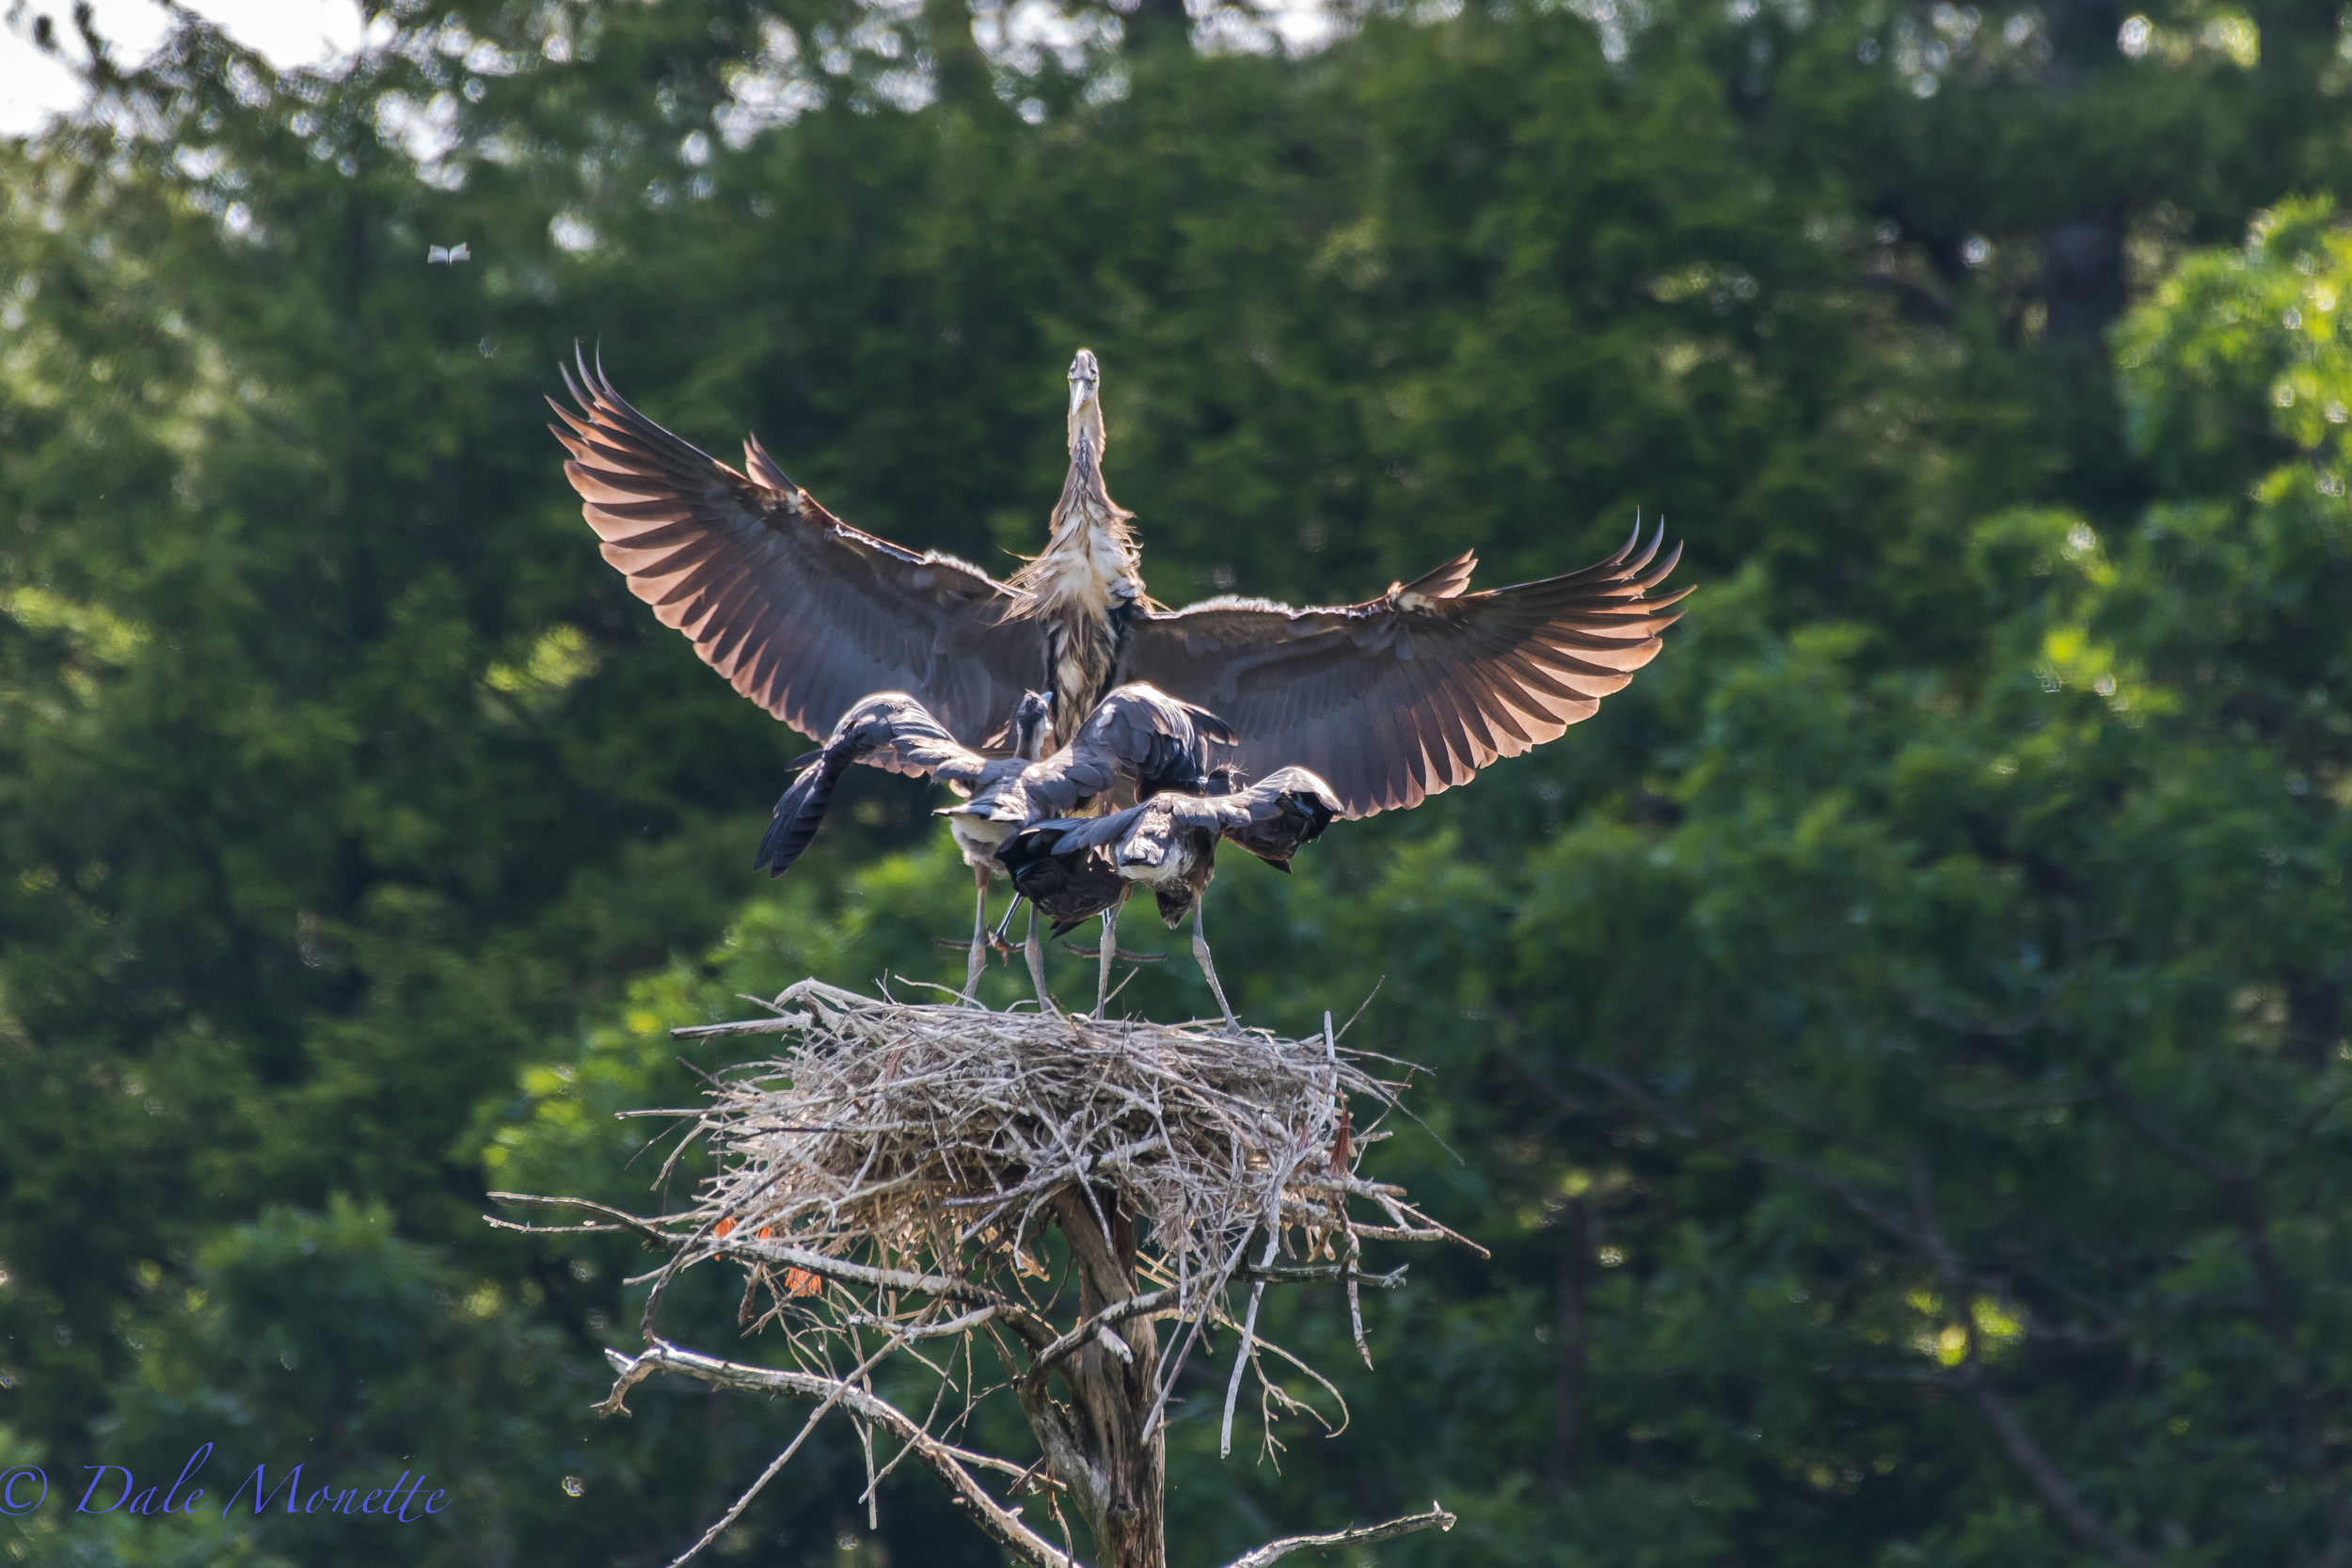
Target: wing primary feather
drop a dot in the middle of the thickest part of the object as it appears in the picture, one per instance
(1505, 716)
(1417, 723)
(1462, 753)
(1449, 755)
(1659, 575)
(1385, 758)
(1633, 568)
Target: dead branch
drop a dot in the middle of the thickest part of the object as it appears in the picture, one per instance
(953, 1464)
(2046, 1480)
(1436, 1518)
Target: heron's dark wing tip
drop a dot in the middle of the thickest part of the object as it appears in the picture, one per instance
(1641, 563)
(1645, 577)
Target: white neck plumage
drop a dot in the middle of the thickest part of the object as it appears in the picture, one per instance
(1091, 561)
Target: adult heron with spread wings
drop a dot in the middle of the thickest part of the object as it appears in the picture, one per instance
(1389, 701)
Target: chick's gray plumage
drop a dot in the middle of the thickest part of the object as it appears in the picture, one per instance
(1076, 868)
(1138, 740)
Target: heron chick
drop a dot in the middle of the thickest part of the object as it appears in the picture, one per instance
(1077, 868)
(1137, 736)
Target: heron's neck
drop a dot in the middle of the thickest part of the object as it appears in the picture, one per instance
(1091, 561)
(1087, 438)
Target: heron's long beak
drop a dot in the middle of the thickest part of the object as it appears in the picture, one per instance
(1081, 393)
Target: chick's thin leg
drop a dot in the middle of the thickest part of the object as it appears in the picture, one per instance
(1200, 951)
(996, 943)
(1110, 947)
(1036, 953)
(979, 959)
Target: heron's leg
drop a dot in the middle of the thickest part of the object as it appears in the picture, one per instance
(1200, 951)
(1036, 951)
(996, 943)
(1110, 947)
(979, 959)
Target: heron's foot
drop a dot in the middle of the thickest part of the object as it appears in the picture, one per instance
(1233, 1024)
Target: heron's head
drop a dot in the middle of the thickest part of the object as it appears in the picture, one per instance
(1085, 382)
(1033, 724)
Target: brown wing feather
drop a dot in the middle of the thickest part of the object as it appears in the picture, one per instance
(801, 613)
(1412, 694)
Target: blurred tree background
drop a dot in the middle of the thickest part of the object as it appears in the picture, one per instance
(1895, 1052)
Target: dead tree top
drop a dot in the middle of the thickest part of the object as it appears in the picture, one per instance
(887, 1178)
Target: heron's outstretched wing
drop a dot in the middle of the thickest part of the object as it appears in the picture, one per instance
(1071, 835)
(888, 730)
(892, 731)
(1279, 814)
(802, 612)
(1270, 819)
(1414, 692)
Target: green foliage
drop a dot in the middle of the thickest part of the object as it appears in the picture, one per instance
(1918, 997)
(324, 1340)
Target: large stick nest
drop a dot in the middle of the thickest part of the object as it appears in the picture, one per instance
(935, 1136)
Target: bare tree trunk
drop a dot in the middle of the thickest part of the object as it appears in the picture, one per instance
(1157, 24)
(2082, 256)
(1567, 1383)
(1113, 1394)
(959, 67)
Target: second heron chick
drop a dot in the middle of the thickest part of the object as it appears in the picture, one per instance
(1076, 868)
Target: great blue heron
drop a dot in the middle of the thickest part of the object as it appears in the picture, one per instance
(1143, 739)
(1075, 868)
(1389, 701)
(1085, 591)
